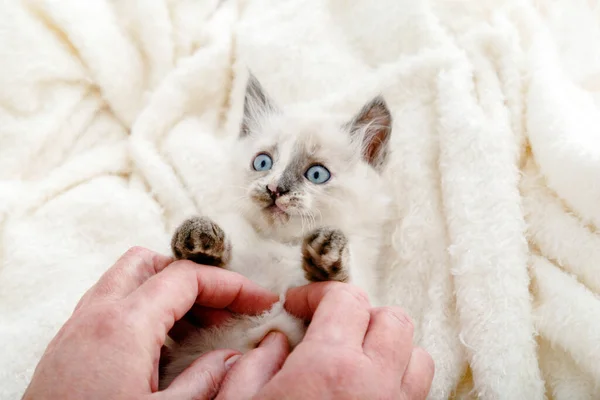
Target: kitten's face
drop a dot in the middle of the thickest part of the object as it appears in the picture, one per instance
(294, 173)
(298, 169)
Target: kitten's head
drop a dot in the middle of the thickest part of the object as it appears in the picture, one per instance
(301, 170)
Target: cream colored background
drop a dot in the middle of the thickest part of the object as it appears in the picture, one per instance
(494, 248)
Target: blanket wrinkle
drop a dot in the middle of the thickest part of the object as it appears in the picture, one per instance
(113, 113)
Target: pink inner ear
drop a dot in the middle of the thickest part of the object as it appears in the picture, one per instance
(374, 125)
(378, 121)
(375, 145)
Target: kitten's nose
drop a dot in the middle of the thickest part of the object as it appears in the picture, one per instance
(276, 191)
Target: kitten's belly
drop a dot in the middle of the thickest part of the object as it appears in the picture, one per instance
(273, 266)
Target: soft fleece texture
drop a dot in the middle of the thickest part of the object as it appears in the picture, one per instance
(494, 248)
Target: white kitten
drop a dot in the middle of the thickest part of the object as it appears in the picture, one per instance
(306, 204)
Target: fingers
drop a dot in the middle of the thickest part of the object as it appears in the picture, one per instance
(255, 368)
(389, 339)
(202, 379)
(129, 272)
(166, 297)
(339, 312)
(389, 343)
(417, 379)
(198, 317)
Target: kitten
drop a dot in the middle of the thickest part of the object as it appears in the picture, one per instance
(307, 204)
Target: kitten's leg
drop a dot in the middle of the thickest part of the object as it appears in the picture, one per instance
(325, 256)
(201, 240)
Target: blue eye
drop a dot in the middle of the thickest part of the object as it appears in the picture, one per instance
(262, 162)
(318, 174)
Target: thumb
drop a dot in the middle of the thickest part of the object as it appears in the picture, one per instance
(203, 378)
(256, 368)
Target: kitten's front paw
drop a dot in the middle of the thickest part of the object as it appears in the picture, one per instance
(201, 240)
(325, 256)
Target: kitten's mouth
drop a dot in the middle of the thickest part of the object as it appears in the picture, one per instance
(277, 212)
(275, 209)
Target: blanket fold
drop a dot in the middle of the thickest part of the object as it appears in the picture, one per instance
(108, 110)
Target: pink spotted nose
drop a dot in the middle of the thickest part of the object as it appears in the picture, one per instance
(276, 191)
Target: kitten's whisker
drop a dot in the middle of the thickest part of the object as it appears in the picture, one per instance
(310, 219)
(302, 216)
(306, 213)
(332, 199)
(243, 188)
(320, 215)
(236, 201)
(312, 214)
(302, 220)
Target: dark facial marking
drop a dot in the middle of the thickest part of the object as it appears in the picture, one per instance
(289, 180)
(293, 174)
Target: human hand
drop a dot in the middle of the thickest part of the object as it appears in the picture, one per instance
(110, 347)
(350, 351)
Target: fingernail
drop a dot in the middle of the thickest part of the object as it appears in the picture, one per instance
(270, 338)
(231, 360)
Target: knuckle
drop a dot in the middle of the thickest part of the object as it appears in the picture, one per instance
(212, 383)
(360, 294)
(340, 370)
(334, 286)
(138, 251)
(105, 287)
(183, 265)
(105, 312)
(398, 317)
(138, 254)
(357, 293)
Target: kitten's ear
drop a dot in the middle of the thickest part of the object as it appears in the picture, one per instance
(372, 126)
(256, 104)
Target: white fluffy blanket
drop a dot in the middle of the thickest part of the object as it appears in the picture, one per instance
(494, 249)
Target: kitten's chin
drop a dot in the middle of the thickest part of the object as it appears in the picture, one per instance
(276, 215)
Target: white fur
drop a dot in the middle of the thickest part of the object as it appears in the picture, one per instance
(268, 251)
